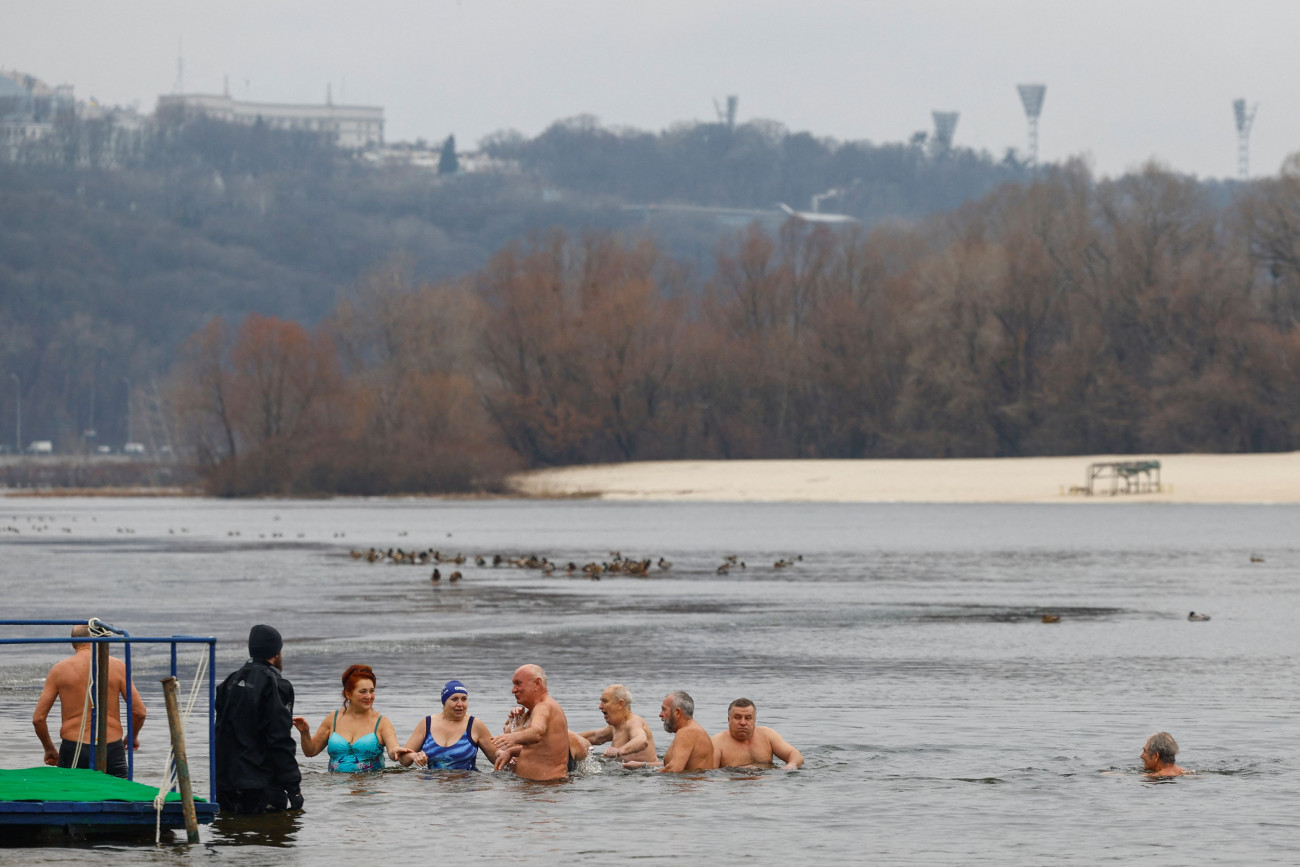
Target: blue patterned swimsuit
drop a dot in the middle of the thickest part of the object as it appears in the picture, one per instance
(366, 753)
(460, 756)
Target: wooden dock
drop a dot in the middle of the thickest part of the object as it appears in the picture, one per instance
(73, 799)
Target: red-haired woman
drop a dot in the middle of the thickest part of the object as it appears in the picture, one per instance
(356, 735)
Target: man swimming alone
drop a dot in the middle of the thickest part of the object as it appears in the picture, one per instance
(628, 736)
(1158, 756)
(745, 744)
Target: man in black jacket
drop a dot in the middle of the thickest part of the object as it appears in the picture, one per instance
(257, 757)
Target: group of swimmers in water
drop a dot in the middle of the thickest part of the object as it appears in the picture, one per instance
(536, 742)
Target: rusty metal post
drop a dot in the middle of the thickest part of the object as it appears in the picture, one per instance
(170, 691)
(102, 706)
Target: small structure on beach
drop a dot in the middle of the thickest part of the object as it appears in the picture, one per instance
(1125, 477)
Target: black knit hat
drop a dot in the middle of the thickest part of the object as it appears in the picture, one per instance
(264, 642)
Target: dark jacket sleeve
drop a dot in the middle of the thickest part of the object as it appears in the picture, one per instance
(281, 748)
(233, 746)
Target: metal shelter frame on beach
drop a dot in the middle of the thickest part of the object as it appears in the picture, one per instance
(1126, 477)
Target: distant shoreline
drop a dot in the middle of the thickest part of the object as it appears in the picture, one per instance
(108, 491)
(1254, 478)
(1246, 479)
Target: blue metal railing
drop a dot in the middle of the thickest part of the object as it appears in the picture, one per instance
(121, 636)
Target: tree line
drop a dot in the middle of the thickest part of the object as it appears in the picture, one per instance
(105, 272)
(1065, 316)
(120, 241)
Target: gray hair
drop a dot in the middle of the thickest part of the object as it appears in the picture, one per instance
(1163, 745)
(619, 692)
(536, 671)
(681, 700)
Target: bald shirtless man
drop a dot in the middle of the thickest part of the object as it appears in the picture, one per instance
(745, 744)
(630, 736)
(67, 682)
(691, 750)
(541, 748)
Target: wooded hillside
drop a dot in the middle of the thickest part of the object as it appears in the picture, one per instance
(1069, 315)
(111, 257)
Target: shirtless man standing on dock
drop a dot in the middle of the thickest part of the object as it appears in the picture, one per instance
(541, 748)
(745, 744)
(691, 750)
(67, 681)
(628, 736)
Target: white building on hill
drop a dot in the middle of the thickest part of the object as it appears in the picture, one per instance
(352, 127)
(28, 109)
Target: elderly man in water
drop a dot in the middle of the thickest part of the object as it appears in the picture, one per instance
(630, 736)
(746, 744)
(691, 750)
(540, 749)
(1158, 756)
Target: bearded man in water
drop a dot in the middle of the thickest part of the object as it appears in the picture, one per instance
(691, 750)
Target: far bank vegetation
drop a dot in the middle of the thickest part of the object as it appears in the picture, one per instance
(1066, 316)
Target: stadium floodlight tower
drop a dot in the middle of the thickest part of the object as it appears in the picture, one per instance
(1245, 118)
(178, 86)
(945, 124)
(727, 116)
(1031, 96)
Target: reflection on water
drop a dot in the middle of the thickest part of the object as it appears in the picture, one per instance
(905, 655)
(78, 840)
(278, 830)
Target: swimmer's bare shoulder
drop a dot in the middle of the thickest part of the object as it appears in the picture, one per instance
(1169, 771)
(691, 750)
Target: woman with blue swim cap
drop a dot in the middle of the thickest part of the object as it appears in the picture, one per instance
(452, 739)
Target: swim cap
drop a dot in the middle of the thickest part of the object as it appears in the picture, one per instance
(452, 687)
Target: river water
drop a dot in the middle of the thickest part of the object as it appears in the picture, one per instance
(905, 655)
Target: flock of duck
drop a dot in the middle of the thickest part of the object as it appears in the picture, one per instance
(31, 526)
(617, 564)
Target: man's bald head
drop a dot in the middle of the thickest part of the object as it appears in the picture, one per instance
(81, 630)
(528, 685)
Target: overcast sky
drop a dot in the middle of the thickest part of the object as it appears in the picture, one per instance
(1127, 80)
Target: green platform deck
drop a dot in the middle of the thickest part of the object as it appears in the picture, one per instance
(48, 796)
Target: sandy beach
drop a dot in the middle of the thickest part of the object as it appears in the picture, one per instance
(1257, 478)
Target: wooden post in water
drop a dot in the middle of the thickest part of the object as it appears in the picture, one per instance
(101, 707)
(170, 690)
